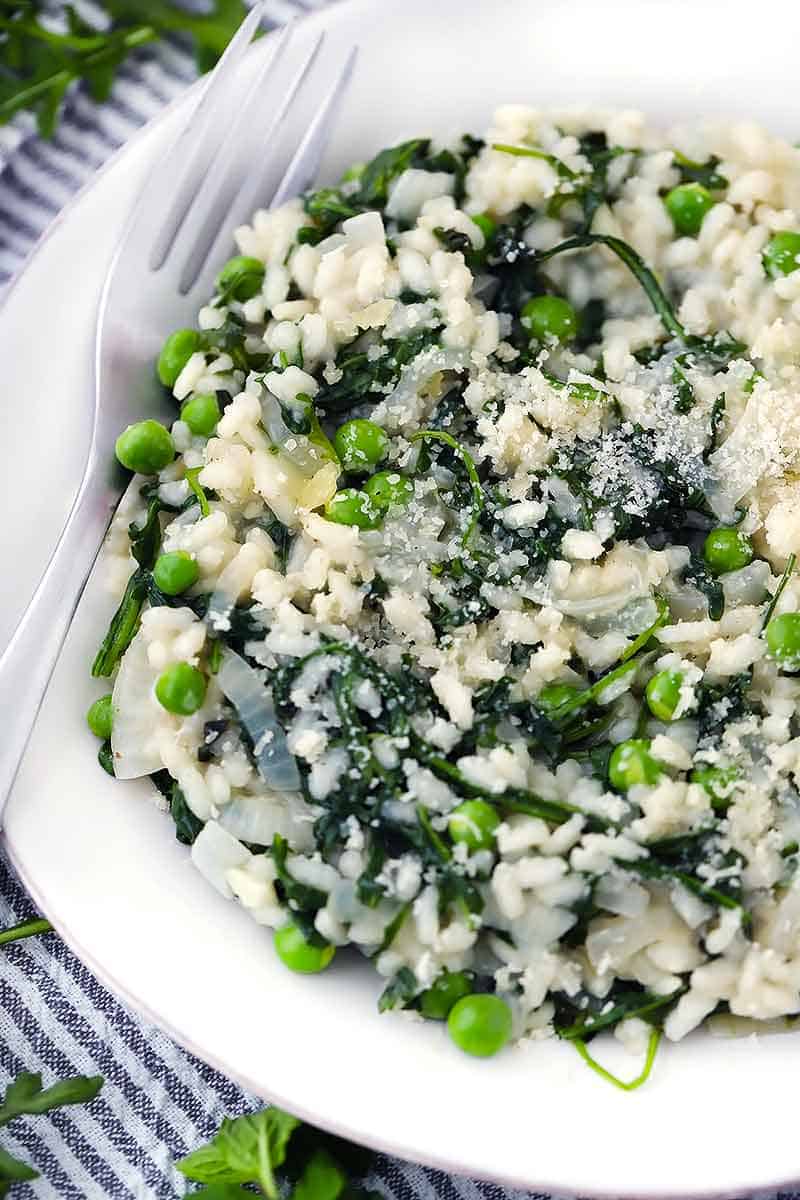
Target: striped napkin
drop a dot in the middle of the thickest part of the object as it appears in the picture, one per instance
(159, 1102)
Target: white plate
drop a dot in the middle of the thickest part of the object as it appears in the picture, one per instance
(717, 1117)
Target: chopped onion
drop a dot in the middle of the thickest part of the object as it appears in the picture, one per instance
(397, 410)
(633, 618)
(295, 446)
(253, 702)
(256, 819)
(136, 715)
(215, 852)
(747, 585)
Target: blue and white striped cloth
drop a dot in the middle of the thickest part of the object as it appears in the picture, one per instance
(158, 1102)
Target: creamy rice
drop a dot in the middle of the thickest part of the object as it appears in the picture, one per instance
(549, 528)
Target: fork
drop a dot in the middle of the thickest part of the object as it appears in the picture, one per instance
(162, 271)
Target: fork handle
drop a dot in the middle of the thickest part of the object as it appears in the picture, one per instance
(27, 663)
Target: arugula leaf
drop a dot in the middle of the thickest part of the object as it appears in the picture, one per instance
(246, 1149)
(25, 1096)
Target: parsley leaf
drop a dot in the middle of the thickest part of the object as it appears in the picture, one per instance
(25, 1096)
(38, 65)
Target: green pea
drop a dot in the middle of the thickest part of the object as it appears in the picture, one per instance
(663, 694)
(175, 572)
(241, 277)
(386, 488)
(298, 954)
(554, 695)
(630, 763)
(480, 1024)
(781, 255)
(201, 413)
(349, 506)
(727, 550)
(360, 445)
(547, 317)
(719, 782)
(688, 204)
(181, 689)
(145, 447)
(446, 989)
(474, 822)
(175, 353)
(783, 640)
(100, 717)
(487, 226)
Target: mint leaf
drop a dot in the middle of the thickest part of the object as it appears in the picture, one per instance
(322, 1178)
(25, 1097)
(246, 1150)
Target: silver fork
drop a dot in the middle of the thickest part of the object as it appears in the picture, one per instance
(163, 270)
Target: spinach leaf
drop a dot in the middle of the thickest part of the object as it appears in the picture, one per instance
(373, 190)
(438, 435)
(123, 625)
(700, 172)
(584, 1015)
(399, 992)
(697, 573)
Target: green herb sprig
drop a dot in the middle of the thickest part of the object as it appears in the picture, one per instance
(39, 65)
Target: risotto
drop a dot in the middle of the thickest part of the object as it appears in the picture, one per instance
(460, 623)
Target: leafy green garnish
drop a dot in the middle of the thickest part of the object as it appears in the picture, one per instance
(700, 172)
(123, 625)
(438, 435)
(25, 929)
(624, 1085)
(25, 1097)
(39, 64)
(246, 1150)
(558, 166)
(374, 181)
(787, 575)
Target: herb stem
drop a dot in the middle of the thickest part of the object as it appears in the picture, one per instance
(60, 79)
(624, 1085)
(787, 574)
(529, 152)
(25, 929)
(635, 264)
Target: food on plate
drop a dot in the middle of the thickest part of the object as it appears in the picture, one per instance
(459, 618)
